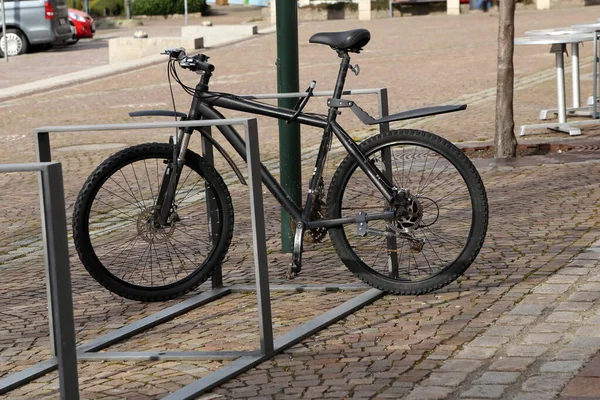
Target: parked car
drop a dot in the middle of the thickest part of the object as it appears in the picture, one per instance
(84, 24)
(33, 22)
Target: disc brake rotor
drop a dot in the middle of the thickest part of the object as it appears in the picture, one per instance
(148, 230)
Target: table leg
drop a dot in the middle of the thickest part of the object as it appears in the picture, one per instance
(575, 69)
(595, 77)
(560, 85)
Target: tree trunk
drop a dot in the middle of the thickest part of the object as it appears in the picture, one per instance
(505, 143)
(128, 9)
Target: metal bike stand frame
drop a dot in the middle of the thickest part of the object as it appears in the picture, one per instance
(243, 360)
(58, 283)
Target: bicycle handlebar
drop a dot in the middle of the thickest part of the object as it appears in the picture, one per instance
(193, 63)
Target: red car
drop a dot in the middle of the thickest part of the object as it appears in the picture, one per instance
(84, 24)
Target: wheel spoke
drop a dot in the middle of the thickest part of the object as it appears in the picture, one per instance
(122, 234)
(433, 221)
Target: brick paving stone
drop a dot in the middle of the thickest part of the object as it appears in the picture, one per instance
(429, 393)
(546, 383)
(526, 351)
(572, 353)
(512, 364)
(564, 316)
(591, 342)
(527, 309)
(445, 379)
(476, 353)
(553, 288)
(549, 328)
(460, 365)
(542, 338)
(584, 296)
(535, 396)
(489, 341)
(485, 391)
(561, 366)
(497, 378)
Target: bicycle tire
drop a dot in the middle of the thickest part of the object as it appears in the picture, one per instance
(116, 203)
(448, 219)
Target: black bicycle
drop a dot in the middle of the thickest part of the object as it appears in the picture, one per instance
(406, 210)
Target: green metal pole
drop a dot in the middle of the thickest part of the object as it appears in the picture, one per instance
(286, 12)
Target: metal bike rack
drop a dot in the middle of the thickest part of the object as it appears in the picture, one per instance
(243, 360)
(58, 283)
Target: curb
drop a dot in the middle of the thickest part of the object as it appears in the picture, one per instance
(102, 71)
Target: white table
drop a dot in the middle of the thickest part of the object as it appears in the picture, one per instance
(558, 44)
(576, 110)
(595, 29)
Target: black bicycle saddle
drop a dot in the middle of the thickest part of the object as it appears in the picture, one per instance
(353, 40)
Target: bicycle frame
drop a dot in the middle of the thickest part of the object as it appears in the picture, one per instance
(206, 110)
(202, 107)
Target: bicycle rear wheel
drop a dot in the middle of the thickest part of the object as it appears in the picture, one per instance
(121, 246)
(434, 235)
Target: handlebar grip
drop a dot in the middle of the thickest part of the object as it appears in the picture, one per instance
(196, 64)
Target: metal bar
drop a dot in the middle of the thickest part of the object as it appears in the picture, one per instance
(20, 378)
(324, 320)
(216, 378)
(153, 320)
(315, 94)
(58, 271)
(261, 269)
(282, 343)
(42, 146)
(301, 288)
(58, 280)
(165, 355)
(25, 167)
(208, 154)
(575, 73)
(140, 125)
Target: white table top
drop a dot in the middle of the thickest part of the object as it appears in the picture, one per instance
(555, 39)
(554, 31)
(591, 27)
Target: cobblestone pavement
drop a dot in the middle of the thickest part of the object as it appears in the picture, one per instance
(520, 324)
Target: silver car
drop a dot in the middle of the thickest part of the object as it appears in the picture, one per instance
(33, 22)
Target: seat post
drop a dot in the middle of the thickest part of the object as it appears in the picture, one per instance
(341, 79)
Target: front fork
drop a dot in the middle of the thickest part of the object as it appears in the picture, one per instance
(168, 187)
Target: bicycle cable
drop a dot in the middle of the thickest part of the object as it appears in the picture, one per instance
(172, 71)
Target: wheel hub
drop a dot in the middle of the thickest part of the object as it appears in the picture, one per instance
(408, 211)
(150, 231)
(13, 42)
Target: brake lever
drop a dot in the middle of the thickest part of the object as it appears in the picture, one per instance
(174, 52)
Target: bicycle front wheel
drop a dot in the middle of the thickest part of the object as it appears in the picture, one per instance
(119, 242)
(440, 213)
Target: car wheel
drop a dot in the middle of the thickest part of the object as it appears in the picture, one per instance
(72, 41)
(15, 42)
